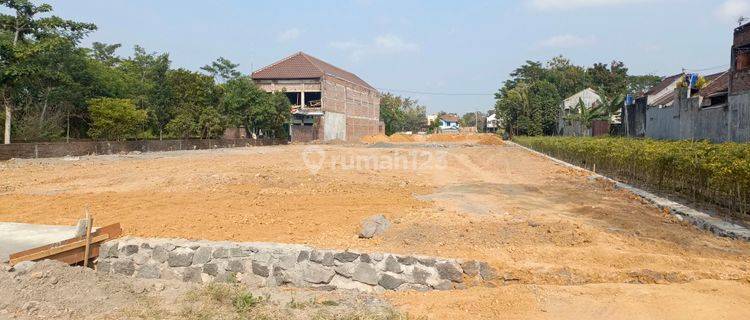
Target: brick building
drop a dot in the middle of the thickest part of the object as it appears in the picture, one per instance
(328, 103)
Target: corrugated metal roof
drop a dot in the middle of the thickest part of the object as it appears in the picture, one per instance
(304, 66)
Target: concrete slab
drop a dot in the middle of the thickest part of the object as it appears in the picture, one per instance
(16, 237)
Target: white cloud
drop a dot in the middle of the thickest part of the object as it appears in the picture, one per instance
(571, 4)
(289, 35)
(567, 41)
(731, 10)
(382, 44)
(391, 43)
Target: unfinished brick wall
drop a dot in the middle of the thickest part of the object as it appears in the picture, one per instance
(361, 106)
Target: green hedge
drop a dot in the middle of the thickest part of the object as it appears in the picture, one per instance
(704, 171)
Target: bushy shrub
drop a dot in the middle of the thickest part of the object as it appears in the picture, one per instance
(700, 170)
(115, 119)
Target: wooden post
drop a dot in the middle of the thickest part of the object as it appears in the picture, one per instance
(86, 253)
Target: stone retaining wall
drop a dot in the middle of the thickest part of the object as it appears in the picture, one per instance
(269, 264)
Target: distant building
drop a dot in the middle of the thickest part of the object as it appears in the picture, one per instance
(493, 124)
(569, 106)
(717, 110)
(449, 123)
(328, 103)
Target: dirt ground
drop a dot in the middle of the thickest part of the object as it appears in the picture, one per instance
(51, 289)
(567, 247)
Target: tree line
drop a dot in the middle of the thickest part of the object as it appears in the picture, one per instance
(529, 102)
(51, 87)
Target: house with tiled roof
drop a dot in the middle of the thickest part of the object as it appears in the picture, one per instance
(328, 103)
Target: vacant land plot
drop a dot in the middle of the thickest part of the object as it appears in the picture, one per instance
(566, 246)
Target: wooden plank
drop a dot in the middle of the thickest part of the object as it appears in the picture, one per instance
(113, 230)
(71, 250)
(55, 250)
(89, 223)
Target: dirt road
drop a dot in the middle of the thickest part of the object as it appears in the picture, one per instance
(567, 247)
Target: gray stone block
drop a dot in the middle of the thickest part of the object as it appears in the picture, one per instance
(160, 254)
(471, 268)
(407, 260)
(288, 261)
(346, 269)
(260, 269)
(377, 256)
(374, 226)
(328, 259)
(487, 272)
(180, 257)
(392, 265)
(303, 256)
(102, 266)
(236, 265)
(221, 253)
(390, 282)
(104, 250)
(148, 271)
(129, 249)
(202, 255)
(420, 275)
(141, 257)
(113, 250)
(192, 274)
(317, 274)
(238, 252)
(449, 271)
(346, 256)
(124, 267)
(317, 256)
(427, 262)
(366, 273)
(365, 258)
(211, 269)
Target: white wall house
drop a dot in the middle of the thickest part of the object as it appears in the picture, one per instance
(589, 97)
(449, 123)
(493, 124)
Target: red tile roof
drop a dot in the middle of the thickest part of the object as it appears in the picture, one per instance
(449, 118)
(666, 82)
(717, 83)
(304, 66)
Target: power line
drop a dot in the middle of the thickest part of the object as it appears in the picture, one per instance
(438, 93)
(711, 68)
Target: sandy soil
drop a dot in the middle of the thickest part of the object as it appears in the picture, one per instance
(567, 247)
(53, 290)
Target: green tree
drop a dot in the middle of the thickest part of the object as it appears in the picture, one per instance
(641, 84)
(609, 80)
(402, 114)
(24, 36)
(222, 70)
(240, 95)
(105, 53)
(115, 119)
(391, 113)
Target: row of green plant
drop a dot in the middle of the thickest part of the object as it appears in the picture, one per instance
(698, 170)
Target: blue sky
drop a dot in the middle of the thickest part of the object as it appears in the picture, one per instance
(455, 47)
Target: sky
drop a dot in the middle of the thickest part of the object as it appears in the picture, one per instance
(450, 55)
